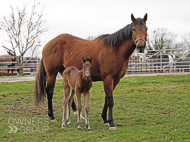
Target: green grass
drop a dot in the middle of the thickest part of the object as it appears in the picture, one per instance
(153, 108)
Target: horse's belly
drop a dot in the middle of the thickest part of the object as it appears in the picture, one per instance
(96, 78)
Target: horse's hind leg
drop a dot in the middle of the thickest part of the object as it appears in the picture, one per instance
(49, 90)
(73, 105)
(86, 104)
(70, 99)
(65, 101)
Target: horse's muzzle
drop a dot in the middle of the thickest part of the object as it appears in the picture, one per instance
(141, 47)
(87, 77)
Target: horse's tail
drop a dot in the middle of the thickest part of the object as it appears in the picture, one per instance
(40, 84)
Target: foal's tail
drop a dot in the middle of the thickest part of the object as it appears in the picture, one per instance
(40, 84)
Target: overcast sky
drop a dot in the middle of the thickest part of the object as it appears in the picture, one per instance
(85, 18)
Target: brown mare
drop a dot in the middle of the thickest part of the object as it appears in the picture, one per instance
(110, 54)
(77, 82)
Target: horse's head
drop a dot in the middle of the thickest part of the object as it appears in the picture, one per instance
(139, 32)
(87, 68)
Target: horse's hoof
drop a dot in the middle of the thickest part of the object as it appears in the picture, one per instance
(112, 128)
(63, 126)
(54, 120)
(89, 130)
(79, 129)
(69, 124)
(106, 124)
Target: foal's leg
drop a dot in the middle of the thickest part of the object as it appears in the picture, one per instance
(65, 101)
(79, 108)
(70, 99)
(86, 104)
(73, 105)
(108, 88)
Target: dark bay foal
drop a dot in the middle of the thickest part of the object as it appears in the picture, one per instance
(77, 82)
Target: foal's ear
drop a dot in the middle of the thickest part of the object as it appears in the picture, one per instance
(83, 60)
(90, 59)
(132, 17)
(145, 17)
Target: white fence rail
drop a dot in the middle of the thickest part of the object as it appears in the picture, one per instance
(9, 66)
(159, 62)
(168, 61)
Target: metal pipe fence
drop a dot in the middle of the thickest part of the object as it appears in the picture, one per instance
(157, 61)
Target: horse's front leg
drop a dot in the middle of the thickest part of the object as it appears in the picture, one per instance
(104, 112)
(108, 88)
(79, 107)
(86, 104)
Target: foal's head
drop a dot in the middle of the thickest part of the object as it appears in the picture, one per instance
(139, 32)
(87, 68)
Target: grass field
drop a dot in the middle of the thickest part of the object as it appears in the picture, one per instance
(153, 108)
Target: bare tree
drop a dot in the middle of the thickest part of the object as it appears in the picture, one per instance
(161, 39)
(90, 38)
(23, 29)
(186, 41)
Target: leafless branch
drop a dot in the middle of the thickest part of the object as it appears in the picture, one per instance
(24, 29)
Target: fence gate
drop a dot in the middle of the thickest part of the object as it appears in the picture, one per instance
(159, 61)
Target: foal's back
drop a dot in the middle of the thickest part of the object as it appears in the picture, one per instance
(71, 76)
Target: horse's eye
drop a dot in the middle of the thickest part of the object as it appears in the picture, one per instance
(133, 30)
(146, 29)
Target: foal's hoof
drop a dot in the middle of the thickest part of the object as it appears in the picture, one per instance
(89, 129)
(79, 129)
(54, 120)
(106, 124)
(112, 128)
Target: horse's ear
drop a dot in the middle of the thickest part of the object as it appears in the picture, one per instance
(83, 60)
(145, 17)
(132, 17)
(90, 59)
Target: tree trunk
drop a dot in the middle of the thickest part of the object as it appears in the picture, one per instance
(21, 71)
(21, 68)
(20, 63)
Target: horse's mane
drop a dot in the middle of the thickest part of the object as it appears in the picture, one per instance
(117, 37)
(121, 35)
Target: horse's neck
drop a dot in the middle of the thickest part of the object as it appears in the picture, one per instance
(127, 49)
